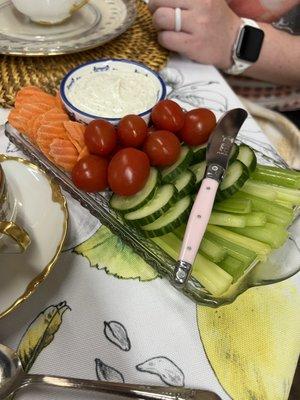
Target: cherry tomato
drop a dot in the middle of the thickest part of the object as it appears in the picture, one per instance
(162, 147)
(198, 125)
(168, 115)
(100, 137)
(152, 129)
(128, 171)
(132, 130)
(117, 148)
(90, 174)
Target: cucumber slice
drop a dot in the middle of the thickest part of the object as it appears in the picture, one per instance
(199, 171)
(162, 200)
(234, 153)
(247, 156)
(171, 220)
(199, 153)
(185, 183)
(132, 203)
(235, 177)
(169, 174)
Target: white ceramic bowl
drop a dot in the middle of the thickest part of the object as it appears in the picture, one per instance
(109, 89)
(48, 12)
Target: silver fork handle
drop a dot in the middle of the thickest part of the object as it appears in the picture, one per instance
(123, 389)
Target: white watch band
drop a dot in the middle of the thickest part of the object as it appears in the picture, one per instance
(239, 66)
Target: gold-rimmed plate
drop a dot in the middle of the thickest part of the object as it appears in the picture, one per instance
(42, 211)
(93, 25)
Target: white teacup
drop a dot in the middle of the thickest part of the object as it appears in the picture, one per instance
(48, 12)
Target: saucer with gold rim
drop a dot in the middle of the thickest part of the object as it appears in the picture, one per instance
(42, 211)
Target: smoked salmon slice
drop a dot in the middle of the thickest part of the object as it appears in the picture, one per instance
(55, 116)
(17, 121)
(46, 134)
(33, 125)
(84, 152)
(64, 153)
(75, 132)
(35, 97)
(43, 119)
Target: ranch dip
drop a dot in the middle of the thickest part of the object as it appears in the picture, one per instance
(114, 93)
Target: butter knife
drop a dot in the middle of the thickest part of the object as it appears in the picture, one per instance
(217, 157)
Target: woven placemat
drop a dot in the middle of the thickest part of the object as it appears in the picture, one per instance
(137, 43)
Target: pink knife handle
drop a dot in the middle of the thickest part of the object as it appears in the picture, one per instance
(198, 220)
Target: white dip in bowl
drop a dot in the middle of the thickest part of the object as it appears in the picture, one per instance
(111, 89)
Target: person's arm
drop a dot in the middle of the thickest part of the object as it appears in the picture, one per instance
(279, 60)
(208, 31)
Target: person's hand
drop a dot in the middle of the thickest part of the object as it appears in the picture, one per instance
(208, 29)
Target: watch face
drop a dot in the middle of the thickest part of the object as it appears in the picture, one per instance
(250, 42)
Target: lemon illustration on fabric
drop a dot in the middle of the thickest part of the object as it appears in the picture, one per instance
(253, 344)
(104, 250)
(40, 333)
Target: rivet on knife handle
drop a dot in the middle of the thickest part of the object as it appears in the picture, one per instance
(195, 230)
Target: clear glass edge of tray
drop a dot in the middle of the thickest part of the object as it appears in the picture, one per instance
(98, 206)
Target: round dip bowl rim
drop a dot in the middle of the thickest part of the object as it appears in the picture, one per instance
(85, 117)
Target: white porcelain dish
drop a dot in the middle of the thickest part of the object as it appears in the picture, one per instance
(43, 210)
(95, 24)
(111, 88)
(48, 12)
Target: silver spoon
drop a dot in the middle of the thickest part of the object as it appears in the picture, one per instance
(13, 378)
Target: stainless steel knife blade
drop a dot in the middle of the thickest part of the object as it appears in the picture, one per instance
(222, 138)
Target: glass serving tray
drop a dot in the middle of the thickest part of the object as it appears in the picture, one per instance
(281, 264)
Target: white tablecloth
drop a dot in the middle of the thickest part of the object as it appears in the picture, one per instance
(247, 350)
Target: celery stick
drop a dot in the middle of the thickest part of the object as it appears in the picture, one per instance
(256, 218)
(211, 250)
(261, 249)
(209, 274)
(164, 243)
(282, 193)
(237, 206)
(277, 220)
(226, 219)
(277, 176)
(241, 253)
(259, 190)
(286, 204)
(278, 171)
(271, 234)
(267, 206)
(288, 195)
(233, 266)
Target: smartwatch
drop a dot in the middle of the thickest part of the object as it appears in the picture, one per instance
(247, 47)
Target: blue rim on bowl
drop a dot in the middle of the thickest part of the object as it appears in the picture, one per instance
(77, 110)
